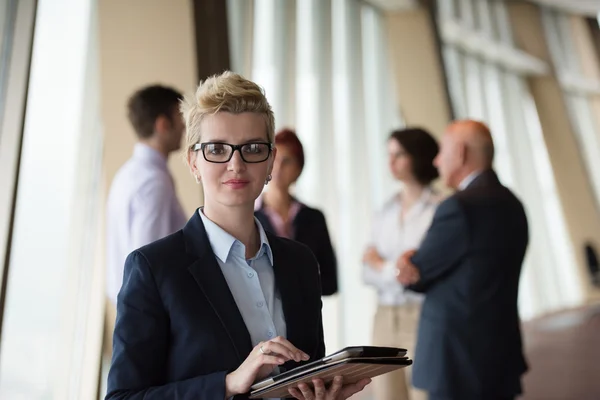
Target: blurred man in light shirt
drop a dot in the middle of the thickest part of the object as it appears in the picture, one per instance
(142, 203)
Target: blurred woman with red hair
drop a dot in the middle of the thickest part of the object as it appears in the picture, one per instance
(282, 214)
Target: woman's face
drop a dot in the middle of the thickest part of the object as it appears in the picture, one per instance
(286, 168)
(234, 183)
(399, 161)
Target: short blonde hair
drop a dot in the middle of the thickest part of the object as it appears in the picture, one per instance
(228, 92)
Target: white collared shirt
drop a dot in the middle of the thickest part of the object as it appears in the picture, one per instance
(468, 180)
(392, 236)
(251, 281)
(142, 207)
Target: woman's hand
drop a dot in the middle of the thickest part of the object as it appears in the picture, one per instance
(259, 364)
(337, 391)
(373, 259)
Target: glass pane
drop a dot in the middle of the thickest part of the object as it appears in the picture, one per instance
(447, 9)
(49, 284)
(8, 9)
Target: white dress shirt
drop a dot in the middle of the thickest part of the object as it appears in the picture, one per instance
(251, 282)
(393, 235)
(468, 179)
(142, 207)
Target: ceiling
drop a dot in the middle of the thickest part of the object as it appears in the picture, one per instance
(588, 7)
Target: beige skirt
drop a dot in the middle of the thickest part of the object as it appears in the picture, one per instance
(396, 326)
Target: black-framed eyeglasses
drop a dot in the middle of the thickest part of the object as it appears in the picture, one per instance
(255, 152)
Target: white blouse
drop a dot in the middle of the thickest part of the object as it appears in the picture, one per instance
(392, 236)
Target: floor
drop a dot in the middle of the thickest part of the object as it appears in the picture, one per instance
(563, 352)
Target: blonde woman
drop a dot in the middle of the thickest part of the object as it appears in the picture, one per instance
(210, 309)
(400, 226)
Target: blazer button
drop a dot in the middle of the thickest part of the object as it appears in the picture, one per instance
(250, 274)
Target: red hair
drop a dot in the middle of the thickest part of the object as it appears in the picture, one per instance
(287, 137)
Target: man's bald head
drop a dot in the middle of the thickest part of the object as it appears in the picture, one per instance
(477, 139)
(466, 147)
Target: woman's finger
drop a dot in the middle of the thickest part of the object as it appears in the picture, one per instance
(296, 393)
(320, 391)
(265, 359)
(336, 387)
(350, 390)
(280, 349)
(306, 391)
(299, 355)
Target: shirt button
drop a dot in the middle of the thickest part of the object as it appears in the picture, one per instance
(259, 304)
(270, 334)
(250, 274)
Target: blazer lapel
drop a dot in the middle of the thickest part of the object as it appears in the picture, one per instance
(290, 290)
(208, 276)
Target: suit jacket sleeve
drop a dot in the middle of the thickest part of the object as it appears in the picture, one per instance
(327, 260)
(321, 336)
(141, 342)
(444, 246)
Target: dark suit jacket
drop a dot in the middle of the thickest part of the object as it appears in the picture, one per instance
(310, 228)
(469, 340)
(178, 330)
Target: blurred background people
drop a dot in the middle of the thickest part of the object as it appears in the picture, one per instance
(469, 343)
(142, 203)
(399, 226)
(282, 214)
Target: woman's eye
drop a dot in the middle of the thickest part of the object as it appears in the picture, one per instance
(253, 148)
(216, 150)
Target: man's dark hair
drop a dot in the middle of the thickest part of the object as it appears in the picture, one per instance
(422, 149)
(149, 103)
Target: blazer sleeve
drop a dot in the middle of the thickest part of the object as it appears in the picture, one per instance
(327, 260)
(444, 246)
(320, 334)
(141, 345)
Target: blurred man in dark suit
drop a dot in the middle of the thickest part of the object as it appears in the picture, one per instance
(469, 342)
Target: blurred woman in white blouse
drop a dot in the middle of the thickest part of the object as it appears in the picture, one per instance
(398, 227)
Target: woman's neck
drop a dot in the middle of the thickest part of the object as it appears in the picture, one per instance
(238, 222)
(278, 200)
(411, 193)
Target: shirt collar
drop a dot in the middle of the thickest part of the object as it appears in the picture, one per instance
(222, 242)
(144, 152)
(468, 180)
(423, 201)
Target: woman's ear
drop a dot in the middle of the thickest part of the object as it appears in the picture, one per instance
(191, 162)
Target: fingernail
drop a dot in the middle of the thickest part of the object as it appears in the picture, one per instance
(280, 360)
(305, 356)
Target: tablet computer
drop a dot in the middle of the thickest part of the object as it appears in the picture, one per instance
(350, 352)
(352, 369)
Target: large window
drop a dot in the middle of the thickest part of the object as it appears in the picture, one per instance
(487, 82)
(49, 317)
(578, 89)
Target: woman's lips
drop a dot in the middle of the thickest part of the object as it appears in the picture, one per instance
(236, 183)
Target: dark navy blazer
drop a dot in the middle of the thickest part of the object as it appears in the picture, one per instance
(178, 330)
(469, 341)
(310, 228)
